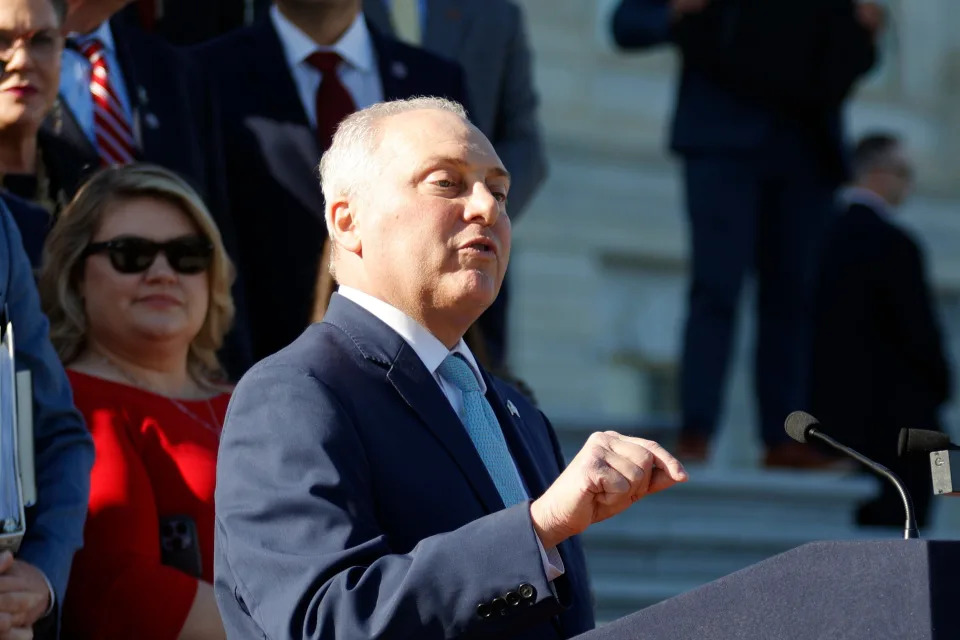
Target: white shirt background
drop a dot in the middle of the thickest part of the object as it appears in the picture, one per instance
(359, 72)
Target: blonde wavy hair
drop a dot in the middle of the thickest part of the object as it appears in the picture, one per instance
(74, 230)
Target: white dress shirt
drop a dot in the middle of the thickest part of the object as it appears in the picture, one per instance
(75, 81)
(359, 72)
(432, 353)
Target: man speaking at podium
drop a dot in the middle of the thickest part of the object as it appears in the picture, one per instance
(373, 480)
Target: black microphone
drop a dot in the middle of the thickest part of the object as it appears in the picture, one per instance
(922, 441)
(801, 426)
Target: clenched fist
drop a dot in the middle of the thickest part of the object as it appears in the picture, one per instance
(610, 473)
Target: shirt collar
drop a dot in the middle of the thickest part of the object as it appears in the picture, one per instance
(427, 346)
(103, 33)
(866, 197)
(355, 46)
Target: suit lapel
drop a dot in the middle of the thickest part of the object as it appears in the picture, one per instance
(422, 393)
(62, 125)
(279, 123)
(395, 72)
(268, 67)
(515, 431)
(418, 389)
(446, 27)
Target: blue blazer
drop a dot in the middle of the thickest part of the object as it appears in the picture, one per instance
(62, 446)
(710, 118)
(351, 502)
(272, 156)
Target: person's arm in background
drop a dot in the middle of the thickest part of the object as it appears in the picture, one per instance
(638, 24)
(119, 581)
(64, 454)
(517, 136)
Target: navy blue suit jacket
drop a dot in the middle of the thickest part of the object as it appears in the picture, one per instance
(710, 117)
(272, 156)
(351, 502)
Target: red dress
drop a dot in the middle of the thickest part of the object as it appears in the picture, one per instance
(153, 459)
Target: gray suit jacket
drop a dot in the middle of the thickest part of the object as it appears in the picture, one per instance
(489, 40)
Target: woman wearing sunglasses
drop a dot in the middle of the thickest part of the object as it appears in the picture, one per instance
(136, 283)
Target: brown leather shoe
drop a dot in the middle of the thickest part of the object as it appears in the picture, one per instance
(795, 455)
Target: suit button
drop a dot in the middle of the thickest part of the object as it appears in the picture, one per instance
(499, 606)
(484, 610)
(512, 598)
(527, 591)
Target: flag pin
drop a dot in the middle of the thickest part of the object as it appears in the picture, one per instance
(512, 408)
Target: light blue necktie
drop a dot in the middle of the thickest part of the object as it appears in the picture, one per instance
(484, 430)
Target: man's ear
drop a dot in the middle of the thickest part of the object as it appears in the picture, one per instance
(342, 223)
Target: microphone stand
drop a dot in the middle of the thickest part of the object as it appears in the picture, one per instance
(910, 527)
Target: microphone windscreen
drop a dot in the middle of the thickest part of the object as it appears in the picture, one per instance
(798, 425)
(921, 441)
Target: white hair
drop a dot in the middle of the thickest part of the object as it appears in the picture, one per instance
(348, 162)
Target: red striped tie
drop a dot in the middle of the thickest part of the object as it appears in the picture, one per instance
(114, 135)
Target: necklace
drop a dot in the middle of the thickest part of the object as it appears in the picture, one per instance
(215, 427)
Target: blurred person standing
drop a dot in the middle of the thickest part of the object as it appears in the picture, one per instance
(489, 40)
(136, 282)
(33, 581)
(284, 84)
(879, 362)
(758, 127)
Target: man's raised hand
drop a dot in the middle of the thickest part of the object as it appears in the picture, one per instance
(611, 472)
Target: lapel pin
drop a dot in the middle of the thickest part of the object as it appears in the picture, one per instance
(151, 120)
(512, 408)
(399, 70)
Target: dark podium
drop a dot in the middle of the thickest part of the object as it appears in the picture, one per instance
(864, 590)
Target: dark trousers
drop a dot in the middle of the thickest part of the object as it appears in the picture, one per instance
(764, 215)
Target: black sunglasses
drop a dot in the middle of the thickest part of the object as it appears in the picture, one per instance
(129, 254)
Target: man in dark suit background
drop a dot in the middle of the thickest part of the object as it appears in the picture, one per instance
(879, 363)
(394, 501)
(280, 105)
(758, 127)
(162, 108)
(489, 40)
(157, 108)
